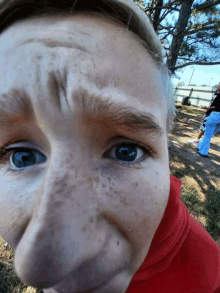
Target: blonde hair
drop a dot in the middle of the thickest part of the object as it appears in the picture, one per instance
(125, 12)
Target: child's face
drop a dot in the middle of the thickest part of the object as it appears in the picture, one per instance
(81, 197)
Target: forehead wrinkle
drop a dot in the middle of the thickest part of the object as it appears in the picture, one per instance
(54, 44)
(57, 84)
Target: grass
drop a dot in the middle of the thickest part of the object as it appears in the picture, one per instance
(200, 189)
(9, 281)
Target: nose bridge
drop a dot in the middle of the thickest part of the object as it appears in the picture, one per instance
(66, 225)
(68, 191)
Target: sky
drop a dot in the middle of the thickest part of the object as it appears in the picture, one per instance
(202, 75)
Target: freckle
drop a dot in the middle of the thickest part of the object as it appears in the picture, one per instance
(117, 242)
(90, 181)
(98, 220)
(91, 219)
(124, 202)
(39, 57)
(40, 236)
(136, 184)
(57, 204)
(108, 194)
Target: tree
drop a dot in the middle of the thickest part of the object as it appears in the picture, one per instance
(188, 29)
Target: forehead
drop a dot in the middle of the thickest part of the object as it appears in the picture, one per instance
(86, 32)
(95, 51)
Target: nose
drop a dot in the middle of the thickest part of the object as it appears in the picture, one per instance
(66, 230)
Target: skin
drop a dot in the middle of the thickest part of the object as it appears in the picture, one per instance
(83, 220)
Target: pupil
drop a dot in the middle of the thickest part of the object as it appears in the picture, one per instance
(126, 153)
(23, 159)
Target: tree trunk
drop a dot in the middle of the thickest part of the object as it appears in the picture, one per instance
(157, 14)
(184, 15)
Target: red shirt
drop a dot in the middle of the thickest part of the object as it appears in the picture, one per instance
(183, 257)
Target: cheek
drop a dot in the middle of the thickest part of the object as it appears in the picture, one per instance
(16, 206)
(137, 202)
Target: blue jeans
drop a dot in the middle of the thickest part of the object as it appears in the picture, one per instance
(212, 126)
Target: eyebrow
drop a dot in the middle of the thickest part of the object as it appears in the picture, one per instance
(92, 105)
(117, 113)
(15, 101)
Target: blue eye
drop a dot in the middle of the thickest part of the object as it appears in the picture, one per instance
(126, 153)
(25, 158)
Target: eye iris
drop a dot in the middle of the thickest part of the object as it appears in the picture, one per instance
(126, 153)
(24, 159)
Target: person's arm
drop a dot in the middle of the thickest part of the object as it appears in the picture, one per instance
(208, 108)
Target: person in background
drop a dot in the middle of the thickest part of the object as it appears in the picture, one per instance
(205, 117)
(212, 126)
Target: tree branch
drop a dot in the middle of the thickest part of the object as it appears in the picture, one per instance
(194, 63)
(164, 37)
(164, 15)
(202, 27)
(157, 13)
(205, 6)
(161, 7)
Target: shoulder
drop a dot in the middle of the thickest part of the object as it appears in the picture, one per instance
(200, 256)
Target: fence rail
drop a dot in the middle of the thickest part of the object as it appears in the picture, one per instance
(197, 98)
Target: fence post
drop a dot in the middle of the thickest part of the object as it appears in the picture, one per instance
(190, 94)
(175, 94)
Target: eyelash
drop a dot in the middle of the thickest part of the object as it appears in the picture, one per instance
(5, 153)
